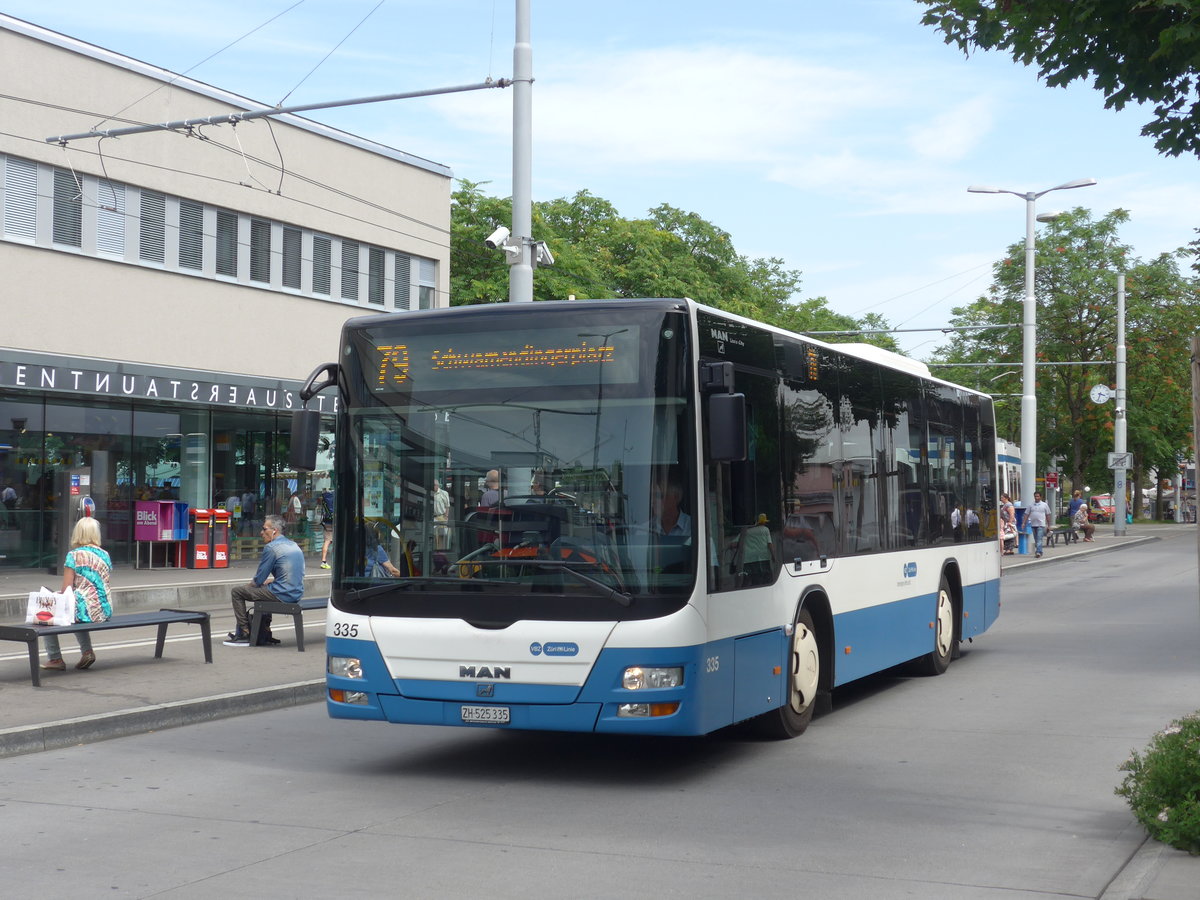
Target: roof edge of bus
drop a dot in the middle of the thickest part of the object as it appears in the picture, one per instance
(369, 316)
(889, 357)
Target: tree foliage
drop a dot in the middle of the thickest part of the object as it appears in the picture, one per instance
(599, 254)
(1077, 261)
(1134, 51)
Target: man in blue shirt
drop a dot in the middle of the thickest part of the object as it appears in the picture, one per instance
(280, 576)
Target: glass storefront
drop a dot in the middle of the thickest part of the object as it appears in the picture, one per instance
(55, 450)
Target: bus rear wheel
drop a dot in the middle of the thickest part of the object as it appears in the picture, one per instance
(803, 682)
(945, 633)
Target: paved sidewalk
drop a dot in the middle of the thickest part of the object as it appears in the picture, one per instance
(128, 691)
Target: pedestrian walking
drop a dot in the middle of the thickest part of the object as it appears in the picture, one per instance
(1039, 521)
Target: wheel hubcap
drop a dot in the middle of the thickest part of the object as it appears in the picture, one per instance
(945, 623)
(806, 667)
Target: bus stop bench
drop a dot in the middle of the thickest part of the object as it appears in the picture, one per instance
(1066, 533)
(164, 617)
(295, 610)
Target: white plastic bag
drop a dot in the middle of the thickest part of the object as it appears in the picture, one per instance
(49, 608)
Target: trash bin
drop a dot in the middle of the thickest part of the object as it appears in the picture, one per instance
(1022, 533)
(200, 539)
(220, 538)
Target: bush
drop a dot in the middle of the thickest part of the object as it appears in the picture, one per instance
(1163, 785)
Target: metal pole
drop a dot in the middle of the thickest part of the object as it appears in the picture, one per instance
(251, 114)
(520, 275)
(1029, 365)
(1119, 420)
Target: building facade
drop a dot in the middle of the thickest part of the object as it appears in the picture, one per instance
(165, 294)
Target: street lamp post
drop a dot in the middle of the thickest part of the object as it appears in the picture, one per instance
(1119, 420)
(1029, 335)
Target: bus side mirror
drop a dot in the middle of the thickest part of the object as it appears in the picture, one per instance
(727, 427)
(306, 431)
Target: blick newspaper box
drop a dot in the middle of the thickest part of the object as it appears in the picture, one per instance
(200, 540)
(220, 538)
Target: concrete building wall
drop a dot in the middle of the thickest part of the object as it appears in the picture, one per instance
(304, 175)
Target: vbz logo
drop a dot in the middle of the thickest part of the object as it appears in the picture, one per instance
(910, 570)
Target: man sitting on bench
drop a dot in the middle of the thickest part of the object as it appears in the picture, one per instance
(280, 576)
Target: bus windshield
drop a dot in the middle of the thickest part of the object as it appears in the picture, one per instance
(542, 469)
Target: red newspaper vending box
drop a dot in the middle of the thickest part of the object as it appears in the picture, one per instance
(220, 538)
(199, 539)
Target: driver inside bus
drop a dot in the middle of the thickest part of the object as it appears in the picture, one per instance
(668, 519)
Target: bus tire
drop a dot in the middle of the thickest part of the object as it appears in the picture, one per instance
(945, 633)
(802, 684)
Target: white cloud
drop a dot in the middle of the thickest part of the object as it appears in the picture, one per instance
(952, 135)
(680, 106)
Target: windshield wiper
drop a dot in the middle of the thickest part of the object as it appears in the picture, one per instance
(621, 597)
(397, 584)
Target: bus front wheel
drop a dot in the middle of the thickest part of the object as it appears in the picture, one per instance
(803, 681)
(945, 634)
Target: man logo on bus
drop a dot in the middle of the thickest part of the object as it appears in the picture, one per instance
(485, 672)
(910, 570)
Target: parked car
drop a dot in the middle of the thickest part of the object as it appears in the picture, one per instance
(1101, 508)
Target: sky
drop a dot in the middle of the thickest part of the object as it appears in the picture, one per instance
(837, 137)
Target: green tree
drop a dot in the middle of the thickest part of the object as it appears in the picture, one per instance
(1134, 51)
(1077, 260)
(670, 253)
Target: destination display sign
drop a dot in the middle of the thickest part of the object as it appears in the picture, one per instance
(497, 359)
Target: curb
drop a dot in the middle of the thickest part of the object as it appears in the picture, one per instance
(1080, 554)
(121, 723)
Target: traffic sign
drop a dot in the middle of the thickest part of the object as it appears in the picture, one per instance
(1052, 480)
(1120, 460)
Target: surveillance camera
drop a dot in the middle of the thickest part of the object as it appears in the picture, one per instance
(497, 238)
(543, 256)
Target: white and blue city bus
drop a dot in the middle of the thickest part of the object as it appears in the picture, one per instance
(650, 517)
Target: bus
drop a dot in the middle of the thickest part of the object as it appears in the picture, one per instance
(1008, 464)
(640, 517)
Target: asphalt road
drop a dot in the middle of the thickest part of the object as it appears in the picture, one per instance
(992, 781)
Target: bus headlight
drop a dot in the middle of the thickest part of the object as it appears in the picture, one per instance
(646, 710)
(637, 678)
(357, 697)
(345, 667)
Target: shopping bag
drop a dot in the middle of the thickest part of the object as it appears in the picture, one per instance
(49, 608)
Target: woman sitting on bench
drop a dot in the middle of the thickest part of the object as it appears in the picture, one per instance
(1080, 520)
(86, 570)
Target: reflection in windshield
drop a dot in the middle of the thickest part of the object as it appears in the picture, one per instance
(561, 496)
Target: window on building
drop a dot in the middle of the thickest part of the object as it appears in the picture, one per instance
(375, 276)
(68, 209)
(110, 217)
(260, 250)
(20, 198)
(227, 243)
(292, 244)
(427, 290)
(403, 290)
(116, 215)
(322, 264)
(191, 234)
(349, 270)
(153, 227)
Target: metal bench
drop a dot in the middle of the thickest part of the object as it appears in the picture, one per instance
(295, 610)
(164, 617)
(1066, 533)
